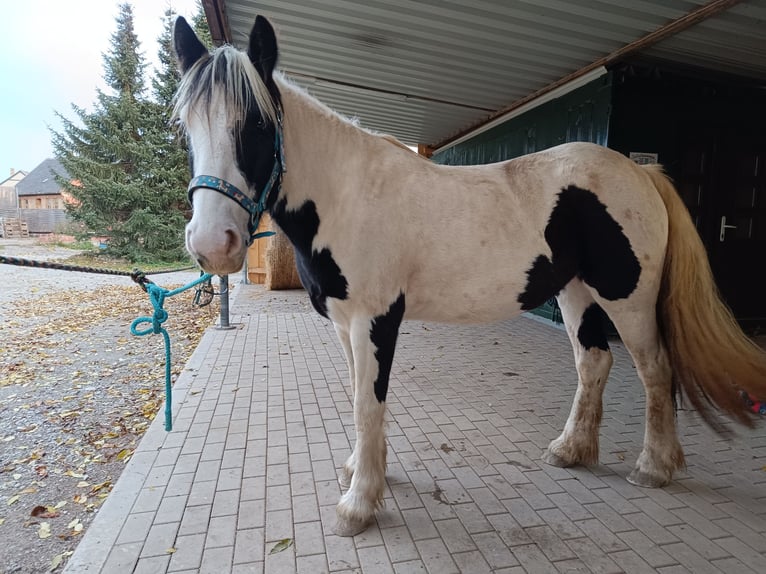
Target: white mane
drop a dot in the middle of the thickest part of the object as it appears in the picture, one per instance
(230, 71)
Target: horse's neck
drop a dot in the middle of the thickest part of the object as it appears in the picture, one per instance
(323, 153)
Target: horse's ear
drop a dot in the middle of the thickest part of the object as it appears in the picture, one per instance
(188, 47)
(262, 49)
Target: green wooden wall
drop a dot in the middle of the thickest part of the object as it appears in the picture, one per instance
(581, 115)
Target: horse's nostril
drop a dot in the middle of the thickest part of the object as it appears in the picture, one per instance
(232, 241)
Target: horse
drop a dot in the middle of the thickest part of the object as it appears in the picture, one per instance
(374, 224)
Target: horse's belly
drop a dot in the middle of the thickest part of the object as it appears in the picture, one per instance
(456, 303)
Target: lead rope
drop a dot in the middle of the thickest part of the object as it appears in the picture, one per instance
(157, 296)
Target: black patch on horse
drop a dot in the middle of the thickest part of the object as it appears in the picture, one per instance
(383, 333)
(255, 144)
(591, 332)
(586, 242)
(318, 271)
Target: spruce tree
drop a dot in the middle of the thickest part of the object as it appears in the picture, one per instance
(200, 26)
(122, 160)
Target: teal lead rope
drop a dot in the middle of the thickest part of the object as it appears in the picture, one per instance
(157, 296)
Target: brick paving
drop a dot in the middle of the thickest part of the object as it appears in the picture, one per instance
(263, 420)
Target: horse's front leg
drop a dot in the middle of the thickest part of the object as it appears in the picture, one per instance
(344, 336)
(372, 343)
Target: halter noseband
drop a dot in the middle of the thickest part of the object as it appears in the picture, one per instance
(255, 209)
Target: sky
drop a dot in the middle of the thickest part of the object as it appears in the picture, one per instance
(51, 57)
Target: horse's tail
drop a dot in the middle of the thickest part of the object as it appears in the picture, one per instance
(712, 359)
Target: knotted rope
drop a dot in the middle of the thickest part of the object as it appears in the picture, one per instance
(157, 296)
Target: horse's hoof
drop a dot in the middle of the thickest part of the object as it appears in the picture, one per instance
(646, 480)
(346, 527)
(555, 460)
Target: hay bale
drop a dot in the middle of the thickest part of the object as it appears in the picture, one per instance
(281, 272)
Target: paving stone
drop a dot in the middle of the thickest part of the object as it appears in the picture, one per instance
(254, 459)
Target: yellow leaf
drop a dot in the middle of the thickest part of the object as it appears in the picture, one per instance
(124, 454)
(13, 499)
(1, 521)
(44, 530)
(60, 504)
(171, 550)
(80, 498)
(282, 545)
(74, 523)
(83, 484)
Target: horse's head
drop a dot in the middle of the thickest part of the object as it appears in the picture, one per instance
(228, 104)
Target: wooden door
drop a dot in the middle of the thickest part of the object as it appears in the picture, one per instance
(722, 179)
(738, 223)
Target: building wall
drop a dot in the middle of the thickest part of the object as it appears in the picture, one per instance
(581, 115)
(41, 202)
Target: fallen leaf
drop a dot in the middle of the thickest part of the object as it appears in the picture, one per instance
(124, 454)
(171, 550)
(80, 498)
(57, 559)
(74, 523)
(45, 530)
(97, 487)
(1, 521)
(13, 499)
(282, 545)
(83, 484)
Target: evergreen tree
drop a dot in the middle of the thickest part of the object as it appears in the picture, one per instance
(123, 159)
(200, 27)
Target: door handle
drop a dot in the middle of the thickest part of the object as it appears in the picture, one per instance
(724, 227)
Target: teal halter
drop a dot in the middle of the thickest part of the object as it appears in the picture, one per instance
(255, 209)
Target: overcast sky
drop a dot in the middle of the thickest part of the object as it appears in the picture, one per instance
(50, 58)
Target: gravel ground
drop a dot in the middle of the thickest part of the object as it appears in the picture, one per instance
(77, 392)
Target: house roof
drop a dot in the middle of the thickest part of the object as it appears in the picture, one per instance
(15, 177)
(41, 180)
(432, 72)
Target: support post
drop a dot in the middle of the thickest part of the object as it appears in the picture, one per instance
(224, 287)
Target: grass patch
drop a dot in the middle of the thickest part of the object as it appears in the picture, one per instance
(101, 260)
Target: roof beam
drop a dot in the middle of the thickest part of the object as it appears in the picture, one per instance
(671, 28)
(215, 12)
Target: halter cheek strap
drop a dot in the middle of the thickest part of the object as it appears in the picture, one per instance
(254, 209)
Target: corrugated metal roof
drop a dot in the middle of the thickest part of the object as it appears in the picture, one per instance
(426, 71)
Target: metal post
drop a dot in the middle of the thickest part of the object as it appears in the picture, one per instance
(244, 273)
(224, 290)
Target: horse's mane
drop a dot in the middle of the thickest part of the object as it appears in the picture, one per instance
(232, 70)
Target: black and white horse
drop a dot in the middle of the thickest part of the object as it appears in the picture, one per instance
(374, 227)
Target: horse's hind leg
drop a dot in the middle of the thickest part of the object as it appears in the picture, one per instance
(372, 343)
(578, 443)
(662, 453)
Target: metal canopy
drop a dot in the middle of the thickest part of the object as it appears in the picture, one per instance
(430, 71)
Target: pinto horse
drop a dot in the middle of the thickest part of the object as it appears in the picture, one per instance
(373, 227)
